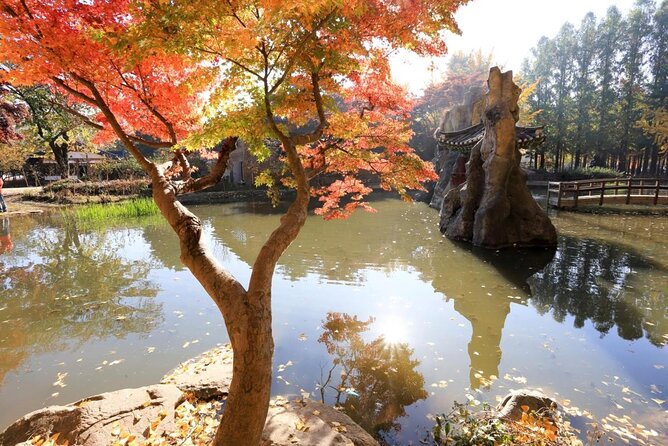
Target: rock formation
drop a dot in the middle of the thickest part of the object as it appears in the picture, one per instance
(447, 161)
(493, 207)
(98, 420)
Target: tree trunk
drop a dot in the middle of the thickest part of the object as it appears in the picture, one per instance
(246, 407)
(60, 152)
(247, 314)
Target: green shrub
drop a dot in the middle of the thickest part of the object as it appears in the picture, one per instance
(127, 168)
(465, 427)
(589, 173)
(136, 187)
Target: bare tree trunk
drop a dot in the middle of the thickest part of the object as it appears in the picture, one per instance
(60, 152)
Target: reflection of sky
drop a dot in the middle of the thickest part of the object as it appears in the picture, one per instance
(436, 295)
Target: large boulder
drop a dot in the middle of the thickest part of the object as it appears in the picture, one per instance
(98, 420)
(205, 376)
(494, 208)
(91, 421)
(312, 423)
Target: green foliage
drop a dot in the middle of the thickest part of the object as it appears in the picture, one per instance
(594, 83)
(127, 168)
(139, 207)
(114, 188)
(462, 427)
(465, 427)
(585, 173)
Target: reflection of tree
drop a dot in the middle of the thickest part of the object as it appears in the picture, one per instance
(401, 237)
(74, 288)
(161, 239)
(597, 282)
(377, 380)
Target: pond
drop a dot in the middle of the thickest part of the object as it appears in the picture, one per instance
(379, 312)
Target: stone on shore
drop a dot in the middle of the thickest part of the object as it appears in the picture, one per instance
(98, 420)
(312, 423)
(92, 420)
(511, 408)
(205, 376)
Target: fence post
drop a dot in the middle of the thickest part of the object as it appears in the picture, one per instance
(600, 200)
(559, 197)
(628, 191)
(577, 194)
(549, 187)
(656, 193)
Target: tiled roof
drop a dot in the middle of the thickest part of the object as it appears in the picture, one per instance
(464, 140)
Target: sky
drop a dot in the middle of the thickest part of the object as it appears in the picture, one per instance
(506, 28)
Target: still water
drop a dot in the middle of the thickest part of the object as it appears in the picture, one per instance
(379, 313)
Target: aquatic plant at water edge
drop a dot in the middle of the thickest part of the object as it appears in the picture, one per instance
(128, 209)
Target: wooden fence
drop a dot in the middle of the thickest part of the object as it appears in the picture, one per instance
(570, 194)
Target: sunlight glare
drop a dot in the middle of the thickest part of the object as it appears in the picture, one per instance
(393, 329)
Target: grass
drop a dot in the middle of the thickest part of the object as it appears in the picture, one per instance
(138, 207)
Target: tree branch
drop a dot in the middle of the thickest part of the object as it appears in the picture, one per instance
(298, 52)
(189, 184)
(315, 135)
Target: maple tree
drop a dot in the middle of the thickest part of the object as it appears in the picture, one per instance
(54, 122)
(193, 75)
(11, 115)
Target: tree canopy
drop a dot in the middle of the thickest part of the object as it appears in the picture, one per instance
(185, 76)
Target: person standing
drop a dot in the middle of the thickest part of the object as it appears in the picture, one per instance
(3, 206)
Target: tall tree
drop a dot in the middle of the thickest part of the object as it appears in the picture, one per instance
(563, 68)
(56, 123)
(583, 87)
(538, 68)
(635, 38)
(264, 68)
(657, 100)
(609, 32)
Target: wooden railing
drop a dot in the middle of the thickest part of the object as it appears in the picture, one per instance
(568, 194)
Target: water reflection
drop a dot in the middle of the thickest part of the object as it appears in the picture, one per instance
(6, 244)
(74, 287)
(609, 285)
(488, 316)
(373, 382)
(590, 279)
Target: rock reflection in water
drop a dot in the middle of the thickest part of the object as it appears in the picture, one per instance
(72, 288)
(372, 381)
(488, 316)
